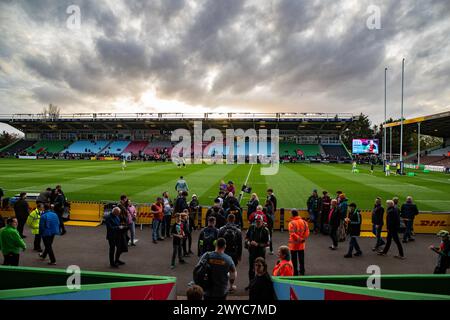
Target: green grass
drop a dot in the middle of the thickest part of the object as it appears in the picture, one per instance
(143, 181)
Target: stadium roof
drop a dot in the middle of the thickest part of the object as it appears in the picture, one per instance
(437, 125)
(304, 122)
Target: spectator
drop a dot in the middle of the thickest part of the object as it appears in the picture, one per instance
(194, 207)
(230, 188)
(181, 203)
(325, 210)
(208, 237)
(222, 186)
(393, 225)
(132, 215)
(377, 223)
(33, 223)
(256, 239)
(222, 273)
(298, 233)
(252, 204)
(21, 209)
(221, 197)
(177, 236)
(181, 185)
(2, 194)
(194, 293)
(11, 242)
(313, 205)
(343, 208)
(408, 212)
(44, 196)
(443, 253)
(271, 197)
(237, 212)
(284, 266)
(187, 240)
(157, 212)
(270, 215)
(396, 202)
(233, 236)
(113, 235)
(59, 209)
(354, 229)
(258, 213)
(217, 212)
(334, 219)
(167, 219)
(229, 201)
(261, 286)
(48, 229)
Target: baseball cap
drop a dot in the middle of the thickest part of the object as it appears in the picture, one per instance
(442, 233)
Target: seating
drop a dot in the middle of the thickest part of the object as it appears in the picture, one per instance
(335, 151)
(135, 146)
(19, 146)
(50, 146)
(115, 148)
(87, 146)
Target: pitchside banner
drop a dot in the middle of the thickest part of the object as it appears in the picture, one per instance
(28, 157)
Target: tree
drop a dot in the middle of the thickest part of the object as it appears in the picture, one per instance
(51, 112)
(360, 128)
(7, 138)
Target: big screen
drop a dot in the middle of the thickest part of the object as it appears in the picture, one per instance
(360, 146)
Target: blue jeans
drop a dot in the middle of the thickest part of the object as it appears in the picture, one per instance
(408, 232)
(353, 244)
(155, 226)
(377, 232)
(313, 217)
(132, 227)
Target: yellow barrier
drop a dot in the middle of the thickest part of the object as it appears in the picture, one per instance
(86, 211)
(144, 215)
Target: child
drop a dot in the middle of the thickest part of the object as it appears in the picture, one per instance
(177, 236)
(444, 253)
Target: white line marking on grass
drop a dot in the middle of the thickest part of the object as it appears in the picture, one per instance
(241, 195)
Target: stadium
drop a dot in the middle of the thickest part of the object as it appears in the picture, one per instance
(239, 153)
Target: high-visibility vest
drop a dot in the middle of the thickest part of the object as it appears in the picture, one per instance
(283, 269)
(298, 233)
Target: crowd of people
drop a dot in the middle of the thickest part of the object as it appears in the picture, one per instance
(222, 242)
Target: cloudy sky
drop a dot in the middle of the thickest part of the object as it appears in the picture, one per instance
(224, 55)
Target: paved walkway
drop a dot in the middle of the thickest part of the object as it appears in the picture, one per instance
(88, 248)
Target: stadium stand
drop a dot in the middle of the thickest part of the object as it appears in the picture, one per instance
(156, 146)
(50, 146)
(335, 151)
(310, 150)
(87, 146)
(135, 146)
(115, 148)
(440, 152)
(19, 146)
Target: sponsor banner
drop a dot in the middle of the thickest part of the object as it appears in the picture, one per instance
(435, 168)
(28, 157)
(108, 158)
(411, 166)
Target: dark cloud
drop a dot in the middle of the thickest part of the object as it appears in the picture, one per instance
(284, 55)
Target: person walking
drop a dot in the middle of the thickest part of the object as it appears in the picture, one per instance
(48, 228)
(270, 215)
(393, 226)
(167, 218)
(177, 239)
(354, 229)
(194, 207)
(218, 213)
(181, 202)
(271, 197)
(113, 235)
(298, 234)
(261, 286)
(256, 239)
(343, 210)
(157, 212)
(208, 237)
(377, 223)
(33, 223)
(408, 212)
(21, 210)
(181, 185)
(233, 236)
(284, 266)
(11, 243)
(222, 273)
(313, 205)
(187, 240)
(59, 209)
(334, 219)
(132, 216)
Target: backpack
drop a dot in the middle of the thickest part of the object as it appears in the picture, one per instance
(209, 238)
(202, 273)
(230, 238)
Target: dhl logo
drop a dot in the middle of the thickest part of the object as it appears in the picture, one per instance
(433, 223)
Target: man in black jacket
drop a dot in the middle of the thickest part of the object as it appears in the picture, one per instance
(257, 239)
(271, 197)
(59, 209)
(408, 212)
(377, 223)
(22, 210)
(181, 202)
(233, 236)
(217, 212)
(334, 220)
(354, 229)
(393, 226)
